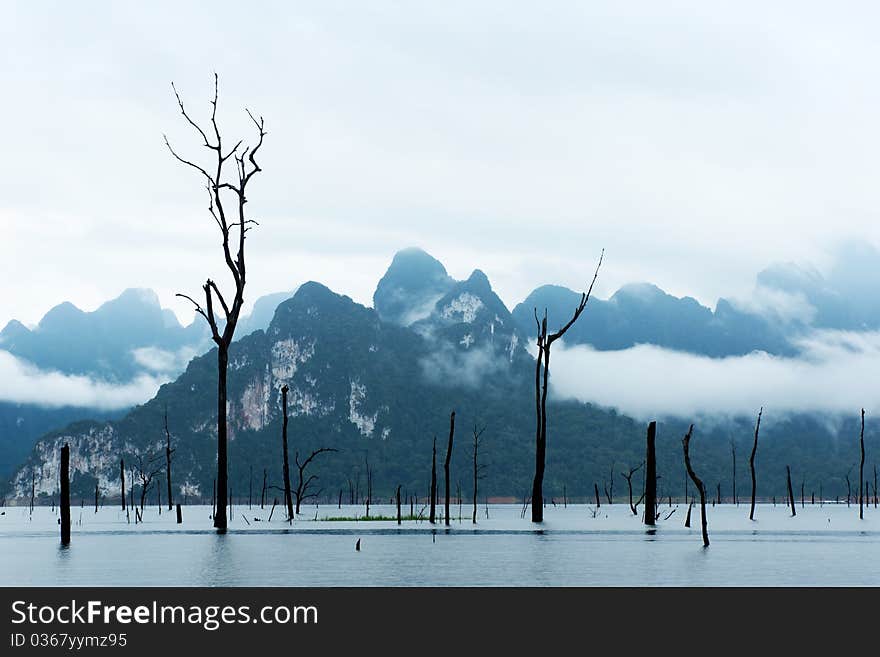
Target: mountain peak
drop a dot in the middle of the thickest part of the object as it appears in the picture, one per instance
(414, 282)
(479, 281)
(13, 330)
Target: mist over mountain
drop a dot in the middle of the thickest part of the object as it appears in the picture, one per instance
(77, 365)
(379, 384)
(412, 286)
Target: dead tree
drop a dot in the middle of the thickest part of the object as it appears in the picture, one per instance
(596, 490)
(302, 488)
(542, 375)
(285, 461)
(65, 495)
(629, 476)
(432, 517)
(398, 505)
(122, 479)
(609, 492)
(650, 476)
(97, 494)
(697, 482)
(477, 467)
(263, 493)
(848, 486)
(862, 468)
(446, 465)
(369, 470)
(220, 187)
(168, 453)
(790, 491)
(733, 456)
(146, 471)
(752, 464)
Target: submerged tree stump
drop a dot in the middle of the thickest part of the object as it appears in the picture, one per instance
(697, 482)
(650, 476)
(752, 464)
(65, 495)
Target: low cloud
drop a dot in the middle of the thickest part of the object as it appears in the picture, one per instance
(833, 374)
(163, 361)
(21, 382)
(454, 367)
(777, 305)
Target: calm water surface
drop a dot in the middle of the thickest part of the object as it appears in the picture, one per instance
(821, 546)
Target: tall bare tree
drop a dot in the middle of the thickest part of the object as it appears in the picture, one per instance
(478, 433)
(733, 456)
(168, 453)
(752, 464)
(302, 488)
(650, 476)
(433, 514)
(697, 482)
(542, 377)
(122, 480)
(233, 224)
(446, 464)
(629, 482)
(285, 460)
(146, 470)
(64, 472)
(862, 468)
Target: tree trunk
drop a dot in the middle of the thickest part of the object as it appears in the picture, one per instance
(698, 483)
(96, 497)
(398, 505)
(733, 454)
(650, 476)
(65, 495)
(541, 437)
(476, 446)
(285, 464)
(179, 515)
(220, 522)
(446, 464)
(752, 464)
(790, 491)
(862, 468)
(168, 451)
(596, 490)
(263, 494)
(122, 479)
(432, 517)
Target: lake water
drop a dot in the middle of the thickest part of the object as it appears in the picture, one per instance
(823, 545)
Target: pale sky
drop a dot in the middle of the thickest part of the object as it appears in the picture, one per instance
(697, 142)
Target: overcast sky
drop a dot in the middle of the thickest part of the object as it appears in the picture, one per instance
(697, 142)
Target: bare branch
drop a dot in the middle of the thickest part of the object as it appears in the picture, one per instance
(189, 120)
(188, 163)
(214, 287)
(580, 308)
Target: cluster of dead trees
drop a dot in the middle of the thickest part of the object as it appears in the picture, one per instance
(226, 175)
